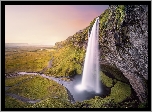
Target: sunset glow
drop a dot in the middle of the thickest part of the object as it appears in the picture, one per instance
(47, 24)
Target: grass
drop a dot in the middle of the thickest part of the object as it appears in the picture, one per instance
(106, 80)
(52, 103)
(68, 57)
(120, 92)
(25, 60)
(14, 80)
(53, 95)
(99, 102)
(14, 103)
(96, 102)
(66, 62)
(39, 88)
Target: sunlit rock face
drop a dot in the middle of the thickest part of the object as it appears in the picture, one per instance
(125, 46)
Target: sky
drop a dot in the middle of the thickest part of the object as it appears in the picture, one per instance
(47, 24)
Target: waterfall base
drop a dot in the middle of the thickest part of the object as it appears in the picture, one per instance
(81, 88)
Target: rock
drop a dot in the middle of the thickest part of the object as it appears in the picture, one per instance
(131, 57)
(123, 43)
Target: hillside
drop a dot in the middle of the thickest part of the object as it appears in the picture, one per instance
(123, 39)
(46, 76)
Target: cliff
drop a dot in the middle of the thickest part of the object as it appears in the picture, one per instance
(125, 46)
(123, 39)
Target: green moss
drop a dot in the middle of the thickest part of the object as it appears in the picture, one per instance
(106, 80)
(120, 14)
(91, 24)
(13, 103)
(120, 92)
(104, 19)
(52, 103)
(108, 102)
(96, 102)
(14, 80)
(129, 104)
(115, 81)
(39, 88)
(142, 105)
(115, 72)
(67, 61)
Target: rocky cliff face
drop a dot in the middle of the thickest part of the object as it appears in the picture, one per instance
(126, 46)
(123, 40)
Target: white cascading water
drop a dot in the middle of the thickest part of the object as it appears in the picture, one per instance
(91, 76)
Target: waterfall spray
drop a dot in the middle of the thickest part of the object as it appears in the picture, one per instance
(91, 76)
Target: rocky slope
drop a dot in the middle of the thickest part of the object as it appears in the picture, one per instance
(127, 46)
(123, 40)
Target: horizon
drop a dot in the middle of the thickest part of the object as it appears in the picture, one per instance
(20, 43)
(47, 24)
(28, 44)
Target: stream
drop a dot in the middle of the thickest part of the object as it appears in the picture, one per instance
(27, 100)
(73, 93)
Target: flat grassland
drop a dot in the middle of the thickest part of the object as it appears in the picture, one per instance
(29, 59)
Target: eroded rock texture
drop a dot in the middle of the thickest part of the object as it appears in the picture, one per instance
(125, 46)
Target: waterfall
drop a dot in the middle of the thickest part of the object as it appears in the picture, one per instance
(91, 76)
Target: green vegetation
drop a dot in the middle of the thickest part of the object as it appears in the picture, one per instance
(39, 88)
(143, 105)
(24, 60)
(13, 103)
(106, 80)
(50, 92)
(104, 19)
(115, 72)
(120, 14)
(91, 24)
(52, 103)
(120, 92)
(14, 80)
(66, 62)
(98, 102)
